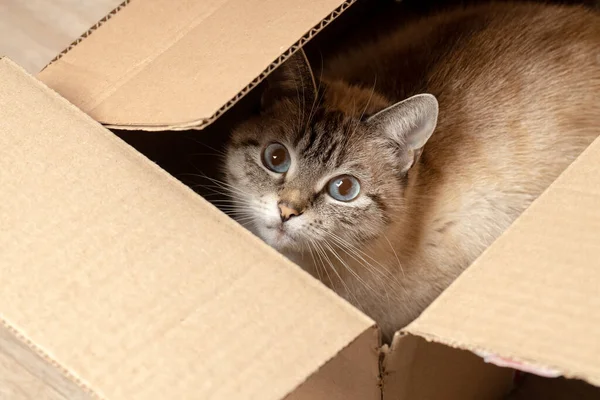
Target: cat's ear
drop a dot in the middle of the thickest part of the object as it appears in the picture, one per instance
(294, 79)
(409, 123)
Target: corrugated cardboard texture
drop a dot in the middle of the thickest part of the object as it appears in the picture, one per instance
(134, 284)
(352, 375)
(533, 296)
(417, 369)
(166, 65)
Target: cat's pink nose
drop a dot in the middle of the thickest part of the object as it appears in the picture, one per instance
(286, 212)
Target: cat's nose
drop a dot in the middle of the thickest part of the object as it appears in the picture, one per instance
(286, 212)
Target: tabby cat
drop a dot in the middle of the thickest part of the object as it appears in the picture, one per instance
(388, 172)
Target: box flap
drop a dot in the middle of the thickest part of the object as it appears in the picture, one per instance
(161, 64)
(411, 365)
(352, 375)
(134, 285)
(532, 300)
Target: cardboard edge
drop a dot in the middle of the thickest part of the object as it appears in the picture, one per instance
(374, 331)
(202, 123)
(87, 33)
(505, 359)
(46, 358)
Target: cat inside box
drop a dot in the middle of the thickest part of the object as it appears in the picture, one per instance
(385, 163)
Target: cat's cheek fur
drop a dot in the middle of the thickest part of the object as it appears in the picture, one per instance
(267, 217)
(234, 167)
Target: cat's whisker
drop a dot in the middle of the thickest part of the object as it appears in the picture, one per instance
(316, 99)
(237, 215)
(322, 263)
(225, 185)
(317, 267)
(358, 121)
(217, 195)
(395, 255)
(218, 155)
(240, 210)
(228, 195)
(216, 181)
(359, 253)
(379, 272)
(230, 202)
(383, 281)
(354, 273)
(246, 223)
(240, 213)
(217, 151)
(326, 264)
(370, 98)
(363, 254)
(342, 281)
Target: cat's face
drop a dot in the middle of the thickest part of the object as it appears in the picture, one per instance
(305, 185)
(309, 175)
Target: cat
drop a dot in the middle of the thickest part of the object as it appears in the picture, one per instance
(389, 172)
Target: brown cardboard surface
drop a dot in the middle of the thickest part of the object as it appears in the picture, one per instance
(416, 369)
(132, 284)
(533, 296)
(352, 375)
(172, 65)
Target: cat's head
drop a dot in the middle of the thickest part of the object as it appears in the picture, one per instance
(325, 163)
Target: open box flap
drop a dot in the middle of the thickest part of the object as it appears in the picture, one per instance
(532, 300)
(132, 284)
(160, 64)
(414, 368)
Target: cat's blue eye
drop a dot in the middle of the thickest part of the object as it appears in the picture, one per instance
(276, 158)
(344, 188)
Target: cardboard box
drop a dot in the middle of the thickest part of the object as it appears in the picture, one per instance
(121, 283)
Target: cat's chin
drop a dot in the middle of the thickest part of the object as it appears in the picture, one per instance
(281, 241)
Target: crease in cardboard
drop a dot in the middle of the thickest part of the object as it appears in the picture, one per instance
(88, 32)
(376, 350)
(383, 353)
(202, 121)
(161, 48)
(45, 356)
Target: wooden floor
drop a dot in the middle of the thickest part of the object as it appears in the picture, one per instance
(32, 32)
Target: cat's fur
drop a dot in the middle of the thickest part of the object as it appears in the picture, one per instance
(518, 87)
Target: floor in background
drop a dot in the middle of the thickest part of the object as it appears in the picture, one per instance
(33, 32)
